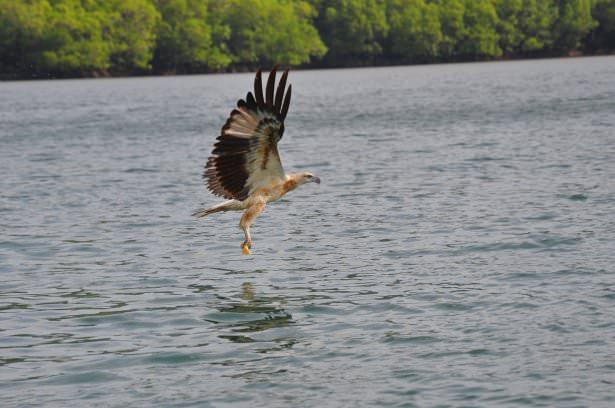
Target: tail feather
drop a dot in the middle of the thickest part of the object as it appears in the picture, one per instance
(229, 205)
(202, 212)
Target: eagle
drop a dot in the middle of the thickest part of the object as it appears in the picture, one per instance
(245, 167)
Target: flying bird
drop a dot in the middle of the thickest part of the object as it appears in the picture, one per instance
(245, 166)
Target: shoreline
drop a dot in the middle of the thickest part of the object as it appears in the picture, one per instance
(304, 67)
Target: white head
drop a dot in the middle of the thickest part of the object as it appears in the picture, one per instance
(307, 177)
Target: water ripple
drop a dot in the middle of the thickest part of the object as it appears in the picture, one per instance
(459, 251)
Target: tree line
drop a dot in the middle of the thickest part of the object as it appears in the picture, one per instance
(69, 38)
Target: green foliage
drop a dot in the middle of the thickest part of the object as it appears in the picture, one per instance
(129, 27)
(525, 25)
(452, 23)
(603, 37)
(186, 36)
(352, 29)
(22, 28)
(97, 37)
(75, 37)
(574, 22)
(74, 40)
(415, 29)
(269, 31)
(479, 37)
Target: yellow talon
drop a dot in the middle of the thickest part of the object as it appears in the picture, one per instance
(245, 249)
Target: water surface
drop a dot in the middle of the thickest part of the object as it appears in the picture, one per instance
(458, 252)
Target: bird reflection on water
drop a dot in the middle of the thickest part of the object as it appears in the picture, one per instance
(252, 315)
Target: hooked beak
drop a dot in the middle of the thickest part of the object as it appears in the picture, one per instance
(316, 180)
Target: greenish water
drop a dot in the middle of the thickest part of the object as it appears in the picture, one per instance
(459, 251)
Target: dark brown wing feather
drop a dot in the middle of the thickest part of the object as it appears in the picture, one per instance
(245, 155)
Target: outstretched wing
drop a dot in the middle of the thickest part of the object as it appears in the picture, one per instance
(245, 156)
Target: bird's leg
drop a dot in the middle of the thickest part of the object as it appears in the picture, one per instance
(248, 240)
(247, 219)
